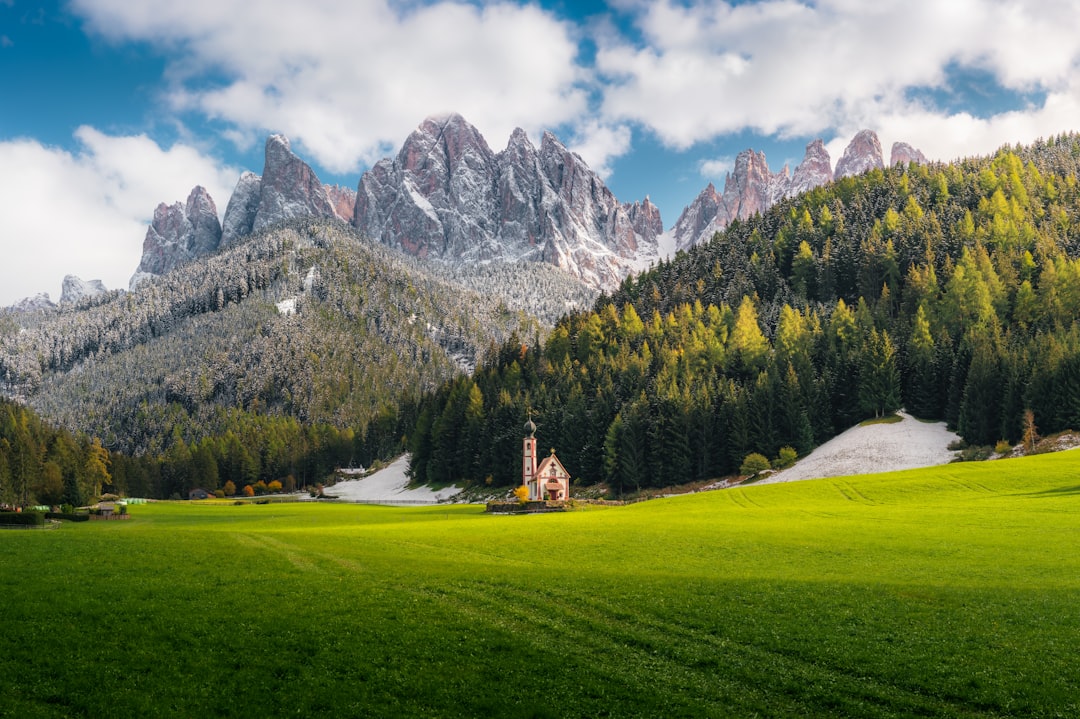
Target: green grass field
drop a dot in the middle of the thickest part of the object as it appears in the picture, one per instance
(948, 592)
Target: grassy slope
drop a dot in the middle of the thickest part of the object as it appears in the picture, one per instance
(953, 591)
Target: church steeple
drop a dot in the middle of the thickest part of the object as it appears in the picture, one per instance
(528, 470)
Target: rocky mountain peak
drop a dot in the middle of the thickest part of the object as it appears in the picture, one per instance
(76, 289)
(751, 187)
(862, 153)
(40, 301)
(815, 169)
(904, 154)
(697, 217)
(447, 196)
(289, 187)
(180, 233)
(240, 212)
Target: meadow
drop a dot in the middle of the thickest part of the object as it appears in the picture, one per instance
(947, 592)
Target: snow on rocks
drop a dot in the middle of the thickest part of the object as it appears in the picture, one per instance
(389, 485)
(866, 449)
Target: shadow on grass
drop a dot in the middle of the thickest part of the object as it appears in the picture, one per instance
(1057, 492)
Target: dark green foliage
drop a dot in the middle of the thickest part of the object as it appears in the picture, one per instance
(22, 519)
(69, 516)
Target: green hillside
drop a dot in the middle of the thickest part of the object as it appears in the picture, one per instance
(950, 592)
(949, 290)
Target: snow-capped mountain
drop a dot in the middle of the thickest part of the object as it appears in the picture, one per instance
(178, 234)
(862, 154)
(447, 196)
(76, 289)
(287, 188)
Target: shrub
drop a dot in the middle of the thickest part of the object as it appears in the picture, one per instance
(522, 494)
(1003, 447)
(219, 493)
(274, 487)
(229, 489)
(69, 516)
(248, 491)
(974, 453)
(22, 519)
(786, 458)
(260, 488)
(754, 464)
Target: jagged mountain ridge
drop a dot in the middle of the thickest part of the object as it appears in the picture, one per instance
(752, 188)
(448, 197)
(287, 189)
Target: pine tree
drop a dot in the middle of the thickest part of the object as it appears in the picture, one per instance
(879, 377)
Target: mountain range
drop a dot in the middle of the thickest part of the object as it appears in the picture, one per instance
(446, 196)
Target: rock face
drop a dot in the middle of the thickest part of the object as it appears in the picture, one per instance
(40, 301)
(342, 202)
(179, 233)
(289, 188)
(240, 212)
(815, 170)
(751, 187)
(695, 223)
(76, 289)
(448, 196)
(862, 153)
(904, 154)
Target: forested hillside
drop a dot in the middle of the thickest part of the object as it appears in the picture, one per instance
(40, 464)
(276, 359)
(952, 290)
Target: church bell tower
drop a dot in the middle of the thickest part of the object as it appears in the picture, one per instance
(528, 470)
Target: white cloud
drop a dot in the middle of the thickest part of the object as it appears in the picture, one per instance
(348, 80)
(600, 144)
(790, 69)
(716, 168)
(85, 213)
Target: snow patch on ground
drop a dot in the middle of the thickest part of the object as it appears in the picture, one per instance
(389, 484)
(287, 307)
(908, 444)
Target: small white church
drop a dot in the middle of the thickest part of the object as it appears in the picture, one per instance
(546, 480)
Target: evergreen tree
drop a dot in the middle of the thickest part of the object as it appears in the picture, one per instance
(879, 376)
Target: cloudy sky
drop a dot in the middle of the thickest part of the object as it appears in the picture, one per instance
(108, 107)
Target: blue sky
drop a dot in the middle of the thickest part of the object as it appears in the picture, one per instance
(108, 107)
